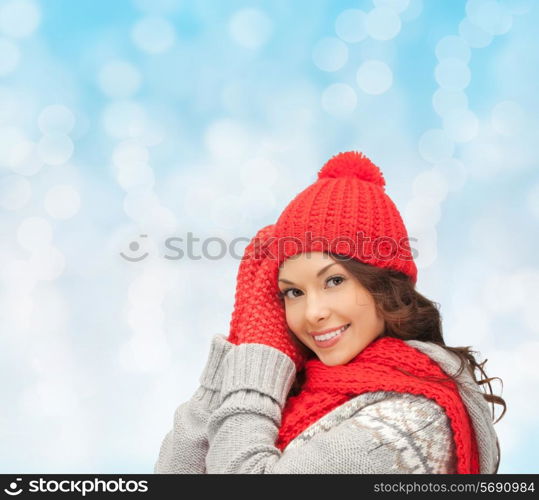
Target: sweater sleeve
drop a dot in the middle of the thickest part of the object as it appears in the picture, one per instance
(184, 447)
(372, 440)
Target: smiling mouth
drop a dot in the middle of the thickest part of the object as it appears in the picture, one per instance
(330, 339)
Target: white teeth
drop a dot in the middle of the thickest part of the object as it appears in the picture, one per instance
(328, 336)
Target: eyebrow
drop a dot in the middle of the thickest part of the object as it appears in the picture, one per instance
(319, 273)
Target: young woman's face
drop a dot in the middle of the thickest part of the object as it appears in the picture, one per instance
(327, 302)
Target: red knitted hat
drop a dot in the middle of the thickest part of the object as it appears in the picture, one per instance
(346, 211)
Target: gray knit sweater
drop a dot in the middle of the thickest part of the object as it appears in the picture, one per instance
(231, 423)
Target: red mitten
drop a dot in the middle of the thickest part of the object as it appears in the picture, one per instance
(249, 265)
(259, 315)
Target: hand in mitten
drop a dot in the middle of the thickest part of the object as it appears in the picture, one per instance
(249, 265)
(261, 317)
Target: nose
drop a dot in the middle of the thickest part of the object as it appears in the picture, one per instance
(316, 310)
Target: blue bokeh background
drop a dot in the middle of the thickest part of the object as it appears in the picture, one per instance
(124, 123)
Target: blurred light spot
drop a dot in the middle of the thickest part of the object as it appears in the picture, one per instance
(9, 56)
(517, 7)
(19, 18)
(128, 153)
(153, 35)
(533, 200)
(430, 184)
(435, 146)
(445, 101)
(119, 79)
(227, 212)
(489, 15)
(383, 23)
(250, 28)
(339, 99)
(56, 119)
(396, 5)
(47, 263)
(24, 157)
(452, 74)
(226, 139)
(34, 233)
(461, 125)
(374, 77)
(55, 149)
(15, 148)
(257, 202)
(62, 201)
(124, 119)
(453, 172)
(15, 192)
(453, 46)
(330, 54)
(414, 10)
(350, 25)
(508, 118)
(474, 35)
(258, 172)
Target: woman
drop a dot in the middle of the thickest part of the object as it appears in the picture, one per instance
(334, 362)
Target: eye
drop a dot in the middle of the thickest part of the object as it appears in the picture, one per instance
(284, 293)
(336, 278)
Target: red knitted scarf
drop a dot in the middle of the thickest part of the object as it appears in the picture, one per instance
(374, 369)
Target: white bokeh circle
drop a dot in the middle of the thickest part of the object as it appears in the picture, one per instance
(153, 34)
(383, 23)
(55, 149)
(339, 99)
(330, 54)
(19, 18)
(62, 201)
(374, 77)
(56, 119)
(350, 25)
(452, 74)
(119, 79)
(250, 28)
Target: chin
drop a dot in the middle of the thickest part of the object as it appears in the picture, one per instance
(335, 359)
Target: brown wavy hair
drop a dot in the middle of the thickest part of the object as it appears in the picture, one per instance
(408, 315)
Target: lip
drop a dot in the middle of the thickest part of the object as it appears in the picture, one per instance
(323, 332)
(333, 341)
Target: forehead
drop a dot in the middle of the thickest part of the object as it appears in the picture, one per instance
(307, 260)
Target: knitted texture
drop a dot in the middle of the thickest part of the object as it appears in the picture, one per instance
(375, 369)
(346, 211)
(259, 316)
